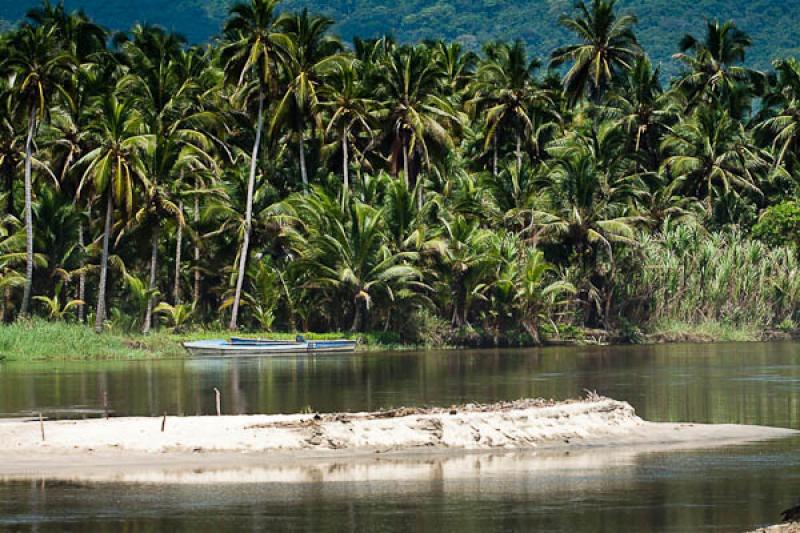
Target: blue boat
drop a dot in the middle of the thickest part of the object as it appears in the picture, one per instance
(244, 347)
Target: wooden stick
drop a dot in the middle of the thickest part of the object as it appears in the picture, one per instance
(219, 401)
(105, 403)
(41, 425)
(163, 422)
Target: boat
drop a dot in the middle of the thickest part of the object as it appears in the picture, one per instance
(244, 347)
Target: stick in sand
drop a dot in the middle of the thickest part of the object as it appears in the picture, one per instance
(163, 422)
(41, 425)
(219, 403)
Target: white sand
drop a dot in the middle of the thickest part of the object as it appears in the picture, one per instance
(780, 528)
(131, 444)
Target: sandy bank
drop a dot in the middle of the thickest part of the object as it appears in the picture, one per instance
(267, 441)
(793, 527)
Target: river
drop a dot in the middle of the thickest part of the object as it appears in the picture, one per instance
(726, 489)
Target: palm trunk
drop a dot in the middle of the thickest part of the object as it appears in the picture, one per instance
(196, 215)
(405, 164)
(533, 331)
(519, 152)
(357, 317)
(148, 314)
(302, 149)
(101, 286)
(251, 181)
(494, 156)
(82, 277)
(178, 243)
(26, 296)
(420, 195)
(9, 179)
(345, 160)
(6, 312)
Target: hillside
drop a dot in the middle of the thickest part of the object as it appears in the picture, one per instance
(661, 22)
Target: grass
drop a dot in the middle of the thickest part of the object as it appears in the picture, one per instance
(706, 331)
(41, 340)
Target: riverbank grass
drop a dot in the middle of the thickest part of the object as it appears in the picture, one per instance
(41, 340)
(708, 331)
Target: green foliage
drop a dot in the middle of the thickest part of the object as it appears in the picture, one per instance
(779, 225)
(688, 276)
(178, 316)
(437, 192)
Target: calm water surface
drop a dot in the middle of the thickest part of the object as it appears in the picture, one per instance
(729, 489)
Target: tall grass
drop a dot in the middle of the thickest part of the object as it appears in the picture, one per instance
(687, 275)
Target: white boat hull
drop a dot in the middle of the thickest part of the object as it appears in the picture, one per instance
(223, 348)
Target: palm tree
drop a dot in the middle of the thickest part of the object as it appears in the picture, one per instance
(782, 128)
(255, 47)
(350, 111)
(713, 68)
(114, 169)
(643, 110)
(344, 249)
(12, 257)
(307, 58)
(535, 293)
(68, 139)
(457, 64)
(505, 88)
(162, 79)
(12, 152)
(464, 255)
(714, 154)
(589, 192)
(419, 118)
(607, 48)
(77, 33)
(39, 65)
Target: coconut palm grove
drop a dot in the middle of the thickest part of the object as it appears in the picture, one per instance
(280, 179)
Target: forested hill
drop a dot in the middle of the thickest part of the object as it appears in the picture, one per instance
(774, 25)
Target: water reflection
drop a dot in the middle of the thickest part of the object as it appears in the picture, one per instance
(735, 383)
(732, 489)
(729, 489)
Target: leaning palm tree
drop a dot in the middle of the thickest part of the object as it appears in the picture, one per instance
(607, 47)
(252, 54)
(39, 65)
(114, 171)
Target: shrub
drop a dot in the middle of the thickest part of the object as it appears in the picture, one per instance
(779, 225)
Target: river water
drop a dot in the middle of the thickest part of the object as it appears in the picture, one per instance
(726, 489)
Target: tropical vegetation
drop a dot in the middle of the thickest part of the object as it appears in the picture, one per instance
(279, 178)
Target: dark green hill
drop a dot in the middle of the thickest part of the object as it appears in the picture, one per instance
(773, 24)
